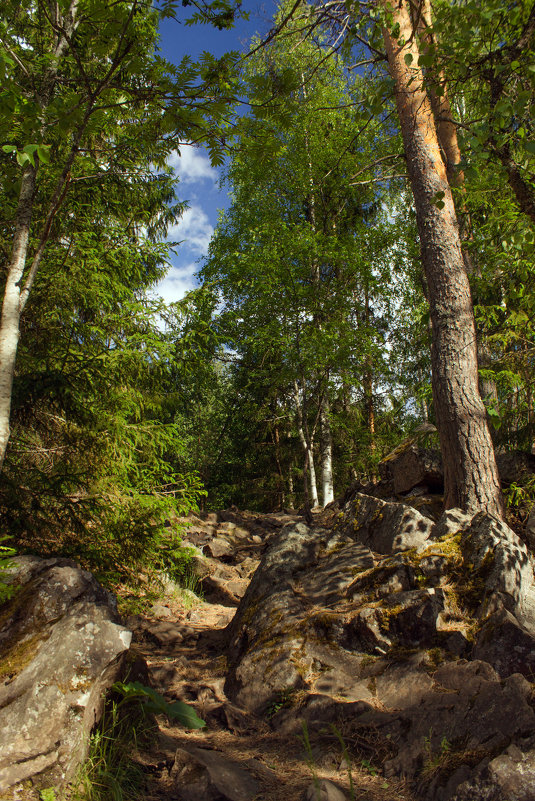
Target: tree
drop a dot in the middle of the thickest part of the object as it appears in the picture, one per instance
(299, 233)
(470, 473)
(82, 88)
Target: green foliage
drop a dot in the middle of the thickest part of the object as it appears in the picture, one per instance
(153, 702)
(111, 772)
(96, 464)
(6, 554)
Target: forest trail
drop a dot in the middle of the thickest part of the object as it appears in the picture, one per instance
(185, 650)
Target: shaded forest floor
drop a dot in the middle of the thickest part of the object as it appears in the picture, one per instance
(185, 650)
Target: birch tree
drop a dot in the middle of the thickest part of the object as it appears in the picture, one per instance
(291, 255)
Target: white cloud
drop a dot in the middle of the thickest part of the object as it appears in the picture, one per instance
(177, 282)
(192, 165)
(194, 229)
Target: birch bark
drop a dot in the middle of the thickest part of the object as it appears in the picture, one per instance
(326, 453)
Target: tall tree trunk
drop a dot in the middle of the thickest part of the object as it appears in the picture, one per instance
(308, 448)
(470, 473)
(276, 441)
(451, 154)
(11, 306)
(368, 376)
(327, 484)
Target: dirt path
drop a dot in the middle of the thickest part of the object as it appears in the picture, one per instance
(185, 652)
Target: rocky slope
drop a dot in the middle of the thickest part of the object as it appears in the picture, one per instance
(402, 643)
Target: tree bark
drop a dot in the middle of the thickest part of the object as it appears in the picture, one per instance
(327, 484)
(11, 306)
(470, 473)
(308, 447)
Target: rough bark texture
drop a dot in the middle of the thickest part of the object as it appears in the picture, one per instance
(471, 477)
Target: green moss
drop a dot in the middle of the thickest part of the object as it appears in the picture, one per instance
(387, 613)
(19, 656)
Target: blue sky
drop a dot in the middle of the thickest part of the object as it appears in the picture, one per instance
(199, 181)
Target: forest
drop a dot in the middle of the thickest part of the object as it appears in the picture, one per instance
(372, 277)
(222, 578)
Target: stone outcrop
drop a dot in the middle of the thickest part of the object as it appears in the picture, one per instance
(409, 466)
(421, 633)
(61, 648)
(226, 550)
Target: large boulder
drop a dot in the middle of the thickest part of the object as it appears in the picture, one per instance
(409, 466)
(62, 647)
(365, 623)
(384, 526)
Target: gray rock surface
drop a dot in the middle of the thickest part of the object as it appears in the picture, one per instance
(409, 466)
(366, 623)
(383, 526)
(508, 777)
(324, 790)
(61, 648)
(204, 775)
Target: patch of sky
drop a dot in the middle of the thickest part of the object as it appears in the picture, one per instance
(199, 181)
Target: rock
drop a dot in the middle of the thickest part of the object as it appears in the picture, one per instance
(371, 623)
(500, 561)
(218, 547)
(515, 466)
(62, 648)
(204, 775)
(452, 522)
(508, 777)
(506, 645)
(160, 610)
(165, 634)
(323, 790)
(470, 709)
(409, 465)
(402, 686)
(385, 527)
(412, 618)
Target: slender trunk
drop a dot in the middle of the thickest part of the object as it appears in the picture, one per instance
(291, 496)
(368, 377)
(326, 453)
(276, 442)
(308, 447)
(314, 499)
(470, 473)
(11, 307)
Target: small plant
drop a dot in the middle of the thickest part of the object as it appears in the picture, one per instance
(367, 766)
(7, 590)
(433, 760)
(152, 702)
(283, 700)
(346, 758)
(48, 794)
(110, 773)
(309, 758)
